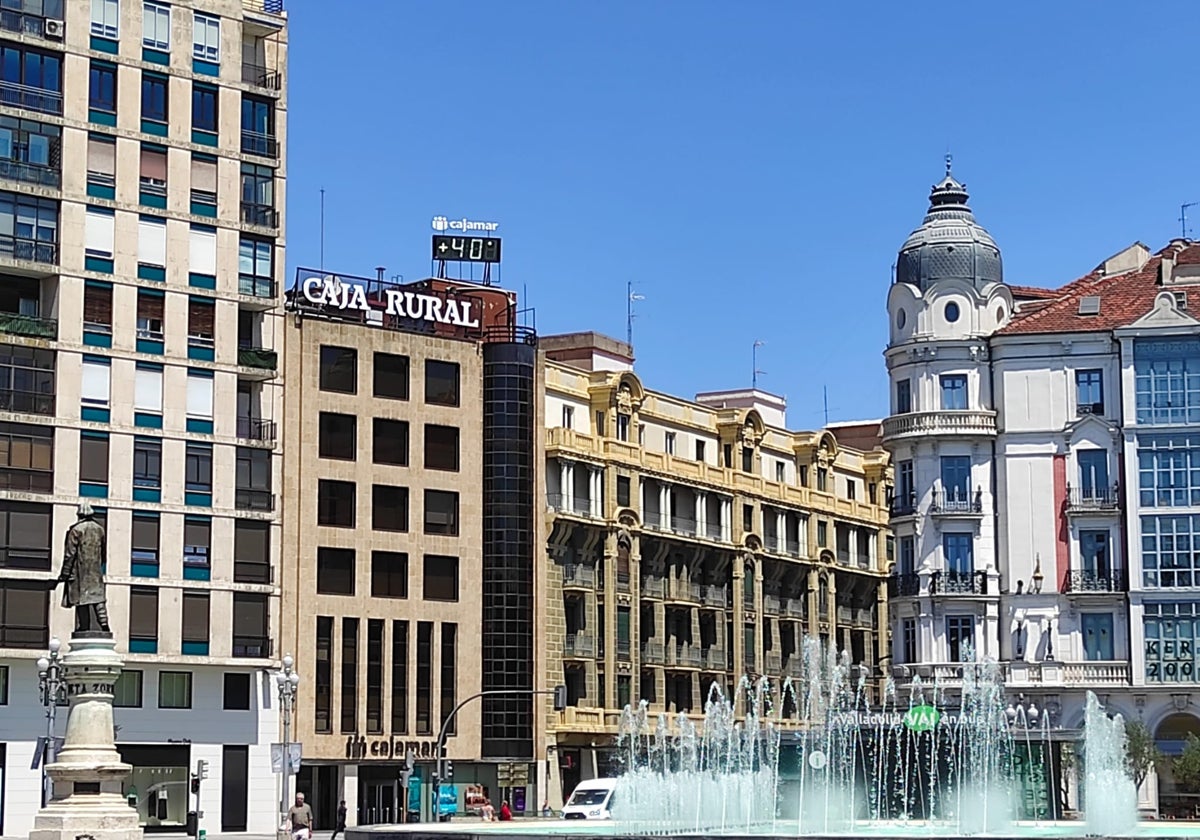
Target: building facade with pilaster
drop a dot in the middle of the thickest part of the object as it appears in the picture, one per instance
(692, 544)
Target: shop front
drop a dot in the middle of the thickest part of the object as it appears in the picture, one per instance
(158, 786)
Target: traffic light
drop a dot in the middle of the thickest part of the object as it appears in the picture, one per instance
(448, 770)
(202, 769)
(196, 784)
(560, 697)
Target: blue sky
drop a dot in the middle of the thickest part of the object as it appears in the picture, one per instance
(753, 167)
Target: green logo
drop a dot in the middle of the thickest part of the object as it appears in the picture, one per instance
(921, 718)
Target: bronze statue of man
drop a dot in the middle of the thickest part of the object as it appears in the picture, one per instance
(82, 572)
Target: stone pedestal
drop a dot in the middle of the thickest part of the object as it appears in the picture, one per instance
(88, 770)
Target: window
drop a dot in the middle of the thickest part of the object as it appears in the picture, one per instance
(258, 127)
(908, 639)
(251, 552)
(206, 37)
(669, 443)
(106, 18)
(152, 242)
(253, 479)
(258, 199)
(1168, 557)
(375, 676)
(822, 479)
(700, 450)
(149, 315)
(236, 692)
(960, 637)
(851, 489)
(822, 534)
(26, 458)
(154, 97)
(24, 536)
(98, 227)
(198, 468)
(908, 555)
(441, 382)
(623, 427)
(197, 542)
(32, 79)
(959, 551)
(424, 677)
(389, 442)
(441, 447)
(903, 396)
(399, 677)
(780, 472)
(102, 87)
(200, 394)
(339, 369)
(195, 623)
(449, 658)
(1172, 641)
(956, 482)
(28, 228)
(256, 277)
(747, 518)
(440, 578)
(147, 463)
(441, 513)
(335, 571)
(24, 614)
(389, 508)
(143, 618)
(391, 376)
(127, 691)
(201, 322)
(568, 417)
(204, 107)
(202, 246)
(152, 179)
(102, 161)
(250, 637)
(144, 543)
(93, 458)
(335, 503)
(323, 679)
(97, 317)
(1167, 381)
(1169, 470)
(954, 392)
(1089, 392)
(349, 675)
(338, 436)
(174, 690)
(389, 574)
(1097, 631)
(623, 490)
(1093, 473)
(156, 26)
(747, 459)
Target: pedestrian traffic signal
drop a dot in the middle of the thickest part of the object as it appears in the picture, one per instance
(195, 784)
(448, 767)
(560, 697)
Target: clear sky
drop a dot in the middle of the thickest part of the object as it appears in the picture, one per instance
(752, 167)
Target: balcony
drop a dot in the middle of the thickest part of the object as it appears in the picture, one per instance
(683, 591)
(42, 176)
(26, 402)
(29, 250)
(683, 526)
(576, 576)
(31, 98)
(251, 499)
(271, 7)
(261, 215)
(252, 647)
(773, 604)
(1092, 581)
(29, 326)
(653, 654)
(259, 76)
(654, 587)
(716, 597)
(773, 663)
(1096, 673)
(683, 656)
(260, 288)
(579, 646)
(959, 583)
(956, 502)
(1082, 501)
(623, 650)
(259, 358)
(796, 607)
(578, 505)
(940, 424)
(255, 428)
(257, 143)
(28, 24)
(907, 585)
(904, 504)
(714, 659)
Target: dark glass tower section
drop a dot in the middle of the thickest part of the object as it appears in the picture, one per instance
(508, 546)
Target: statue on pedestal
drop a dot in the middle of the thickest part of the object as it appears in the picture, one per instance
(83, 574)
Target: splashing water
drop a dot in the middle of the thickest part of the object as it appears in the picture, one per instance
(1109, 795)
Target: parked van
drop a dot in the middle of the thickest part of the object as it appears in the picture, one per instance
(591, 800)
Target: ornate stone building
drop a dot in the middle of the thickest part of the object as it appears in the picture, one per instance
(691, 544)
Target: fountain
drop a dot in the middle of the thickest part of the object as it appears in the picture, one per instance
(1110, 799)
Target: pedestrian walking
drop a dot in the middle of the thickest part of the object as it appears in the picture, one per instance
(300, 819)
(340, 828)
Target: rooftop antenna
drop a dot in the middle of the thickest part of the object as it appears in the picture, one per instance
(949, 163)
(1183, 228)
(322, 230)
(754, 363)
(630, 298)
(825, 395)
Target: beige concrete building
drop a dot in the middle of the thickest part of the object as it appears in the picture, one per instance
(693, 543)
(413, 538)
(142, 173)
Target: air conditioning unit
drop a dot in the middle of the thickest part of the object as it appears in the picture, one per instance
(55, 29)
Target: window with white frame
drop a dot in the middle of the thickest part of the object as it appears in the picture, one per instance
(94, 388)
(202, 250)
(147, 390)
(152, 241)
(98, 232)
(206, 38)
(156, 26)
(199, 396)
(106, 18)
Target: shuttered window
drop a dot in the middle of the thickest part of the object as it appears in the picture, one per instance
(143, 614)
(154, 170)
(152, 242)
(95, 382)
(147, 390)
(150, 315)
(202, 251)
(98, 233)
(98, 306)
(201, 320)
(102, 161)
(204, 180)
(195, 617)
(199, 396)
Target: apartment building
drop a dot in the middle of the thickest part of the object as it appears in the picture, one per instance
(411, 479)
(1043, 442)
(691, 544)
(141, 238)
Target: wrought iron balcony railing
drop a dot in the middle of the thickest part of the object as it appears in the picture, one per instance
(255, 428)
(1081, 581)
(956, 500)
(1098, 499)
(959, 583)
(905, 585)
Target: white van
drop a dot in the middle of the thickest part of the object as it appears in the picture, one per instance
(591, 800)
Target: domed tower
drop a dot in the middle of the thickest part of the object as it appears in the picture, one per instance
(947, 297)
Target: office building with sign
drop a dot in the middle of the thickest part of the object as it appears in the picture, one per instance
(141, 176)
(413, 503)
(692, 543)
(1043, 507)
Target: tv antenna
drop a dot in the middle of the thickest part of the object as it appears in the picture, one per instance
(631, 297)
(754, 363)
(1183, 228)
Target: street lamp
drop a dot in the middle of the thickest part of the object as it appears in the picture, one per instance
(287, 680)
(50, 681)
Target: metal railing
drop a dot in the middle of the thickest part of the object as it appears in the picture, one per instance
(653, 587)
(623, 648)
(714, 596)
(714, 659)
(260, 76)
(245, 571)
(904, 585)
(248, 499)
(684, 526)
(259, 287)
(31, 98)
(26, 402)
(14, 323)
(257, 143)
(32, 250)
(577, 575)
(959, 583)
(29, 173)
(252, 647)
(258, 357)
(255, 428)
(653, 653)
(27, 481)
(904, 504)
(26, 24)
(579, 645)
(262, 215)
(1093, 498)
(1096, 580)
(956, 500)
(271, 7)
(796, 607)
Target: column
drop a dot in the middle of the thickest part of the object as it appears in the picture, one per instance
(698, 515)
(350, 794)
(726, 520)
(568, 485)
(664, 506)
(596, 491)
(564, 485)
(781, 532)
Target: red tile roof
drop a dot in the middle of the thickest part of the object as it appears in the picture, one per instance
(1124, 298)
(1032, 292)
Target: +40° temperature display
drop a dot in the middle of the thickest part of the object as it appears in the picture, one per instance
(483, 249)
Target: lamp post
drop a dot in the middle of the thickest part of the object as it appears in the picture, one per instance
(287, 680)
(50, 681)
